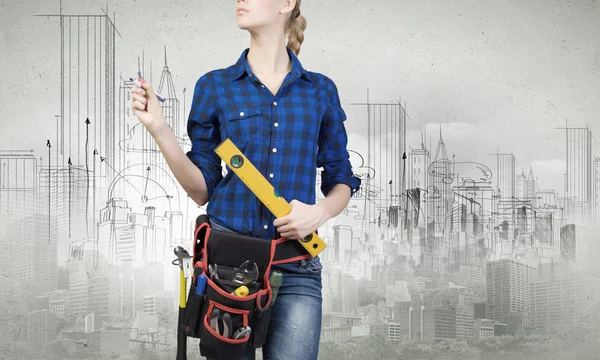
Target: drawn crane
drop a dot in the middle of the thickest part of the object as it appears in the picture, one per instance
(470, 200)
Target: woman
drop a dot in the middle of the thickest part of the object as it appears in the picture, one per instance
(288, 122)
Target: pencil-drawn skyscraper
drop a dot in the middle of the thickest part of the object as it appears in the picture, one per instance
(440, 197)
(66, 186)
(86, 128)
(87, 89)
(18, 187)
(506, 176)
(521, 184)
(418, 163)
(386, 206)
(579, 172)
(171, 107)
(172, 111)
(27, 231)
(145, 169)
(530, 188)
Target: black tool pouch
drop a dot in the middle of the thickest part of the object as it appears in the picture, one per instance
(226, 251)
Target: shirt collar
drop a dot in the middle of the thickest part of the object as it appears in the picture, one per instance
(241, 67)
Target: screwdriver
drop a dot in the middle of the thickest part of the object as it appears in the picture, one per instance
(276, 279)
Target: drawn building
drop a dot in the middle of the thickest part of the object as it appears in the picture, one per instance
(596, 189)
(79, 265)
(126, 121)
(506, 176)
(530, 188)
(579, 246)
(18, 187)
(384, 198)
(87, 88)
(27, 229)
(171, 106)
(65, 191)
(526, 189)
(419, 161)
(520, 183)
(86, 123)
(546, 198)
(136, 239)
(543, 228)
(146, 174)
(440, 197)
(579, 172)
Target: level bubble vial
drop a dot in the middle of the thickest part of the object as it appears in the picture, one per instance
(236, 161)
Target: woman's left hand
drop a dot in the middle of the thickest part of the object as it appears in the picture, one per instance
(302, 220)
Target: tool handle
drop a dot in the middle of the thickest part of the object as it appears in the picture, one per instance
(241, 291)
(276, 279)
(201, 286)
(181, 337)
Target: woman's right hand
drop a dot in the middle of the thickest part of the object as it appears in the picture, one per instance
(147, 108)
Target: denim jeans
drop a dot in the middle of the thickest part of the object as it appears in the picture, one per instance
(295, 327)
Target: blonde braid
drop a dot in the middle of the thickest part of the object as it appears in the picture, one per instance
(296, 24)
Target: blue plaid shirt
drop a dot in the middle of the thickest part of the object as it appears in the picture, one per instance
(286, 136)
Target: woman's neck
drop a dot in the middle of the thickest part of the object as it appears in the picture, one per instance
(268, 55)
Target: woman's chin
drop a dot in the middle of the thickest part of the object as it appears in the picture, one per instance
(244, 25)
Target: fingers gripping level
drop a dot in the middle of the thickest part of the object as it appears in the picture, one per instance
(265, 192)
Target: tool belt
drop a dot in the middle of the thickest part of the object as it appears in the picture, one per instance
(229, 301)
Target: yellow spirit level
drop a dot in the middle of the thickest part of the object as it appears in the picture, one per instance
(265, 192)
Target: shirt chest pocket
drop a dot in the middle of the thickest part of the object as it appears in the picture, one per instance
(242, 124)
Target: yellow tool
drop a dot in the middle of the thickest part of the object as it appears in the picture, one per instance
(184, 260)
(265, 192)
(241, 291)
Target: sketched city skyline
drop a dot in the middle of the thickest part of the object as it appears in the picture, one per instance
(434, 246)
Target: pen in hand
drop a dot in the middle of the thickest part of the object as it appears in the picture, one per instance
(137, 83)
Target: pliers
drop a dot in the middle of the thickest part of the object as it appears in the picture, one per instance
(221, 322)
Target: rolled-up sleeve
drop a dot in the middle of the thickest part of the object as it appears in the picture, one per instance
(203, 130)
(333, 154)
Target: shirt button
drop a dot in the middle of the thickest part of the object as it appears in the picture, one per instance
(266, 227)
(274, 149)
(271, 175)
(242, 113)
(275, 103)
(262, 85)
(250, 74)
(276, 124)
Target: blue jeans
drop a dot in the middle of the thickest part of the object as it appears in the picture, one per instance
(295, 327)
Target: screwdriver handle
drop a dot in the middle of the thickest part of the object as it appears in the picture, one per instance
(276, 279)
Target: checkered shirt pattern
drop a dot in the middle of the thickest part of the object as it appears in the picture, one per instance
(287, 137)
